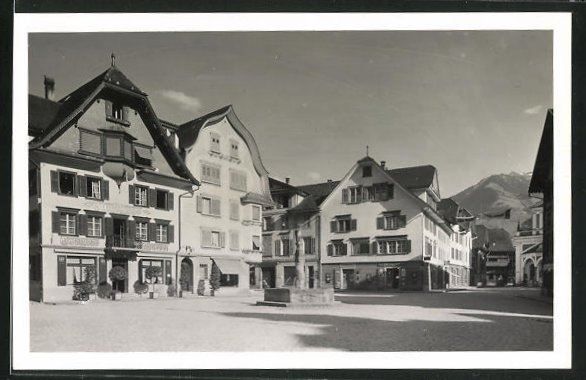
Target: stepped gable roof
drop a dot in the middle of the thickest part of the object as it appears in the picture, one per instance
(414, 177)
(542, 177)
(189, 132)
(42, 112)
(77, 102)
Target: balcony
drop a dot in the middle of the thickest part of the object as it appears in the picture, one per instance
(117, 241)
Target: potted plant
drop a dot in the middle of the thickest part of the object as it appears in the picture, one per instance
(104, 290)
(117, 273)
(215, 279)
(83, 289)
(140, 288)
(152, 274)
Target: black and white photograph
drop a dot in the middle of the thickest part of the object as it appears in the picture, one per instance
(312, 191)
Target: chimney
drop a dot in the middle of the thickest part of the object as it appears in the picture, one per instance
(329, 180)
(49, 88)
(287, 180)
(382, 164)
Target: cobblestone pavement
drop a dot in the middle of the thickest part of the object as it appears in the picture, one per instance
(483, 319)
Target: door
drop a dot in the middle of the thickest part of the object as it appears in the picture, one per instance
(268, 277)
(392, 278)
(311, 277)
(186, 279)
(119, 232)
(121, 285)
(347, 278)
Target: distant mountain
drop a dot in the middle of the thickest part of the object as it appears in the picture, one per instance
(493, 195)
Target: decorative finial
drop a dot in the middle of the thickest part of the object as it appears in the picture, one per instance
(113, 57)
(367, 151)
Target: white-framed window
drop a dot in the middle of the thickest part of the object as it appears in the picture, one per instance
(94, 188)
(77, 268)
(394, 247)
(68, 223)
(282, 246)
(212, 238)
(237, 180)
(391, 221)
(142, 233)
(209, 205)
(214, 142)
(141, 196)
(94, 226)
(308, 244)
(210, 174)
(215, 242)
(256, 213)
(161, 235)
(162, 199)
(337, 248)
(343, 224)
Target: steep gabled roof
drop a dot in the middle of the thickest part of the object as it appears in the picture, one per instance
(76, 103)
(414, 177)
(189, 132)
(42, 112)
(318, 192)
(542, 177)
(448, 209)
(281, 187)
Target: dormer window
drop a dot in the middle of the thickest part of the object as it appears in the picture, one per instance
(367, 171)
(117, 113)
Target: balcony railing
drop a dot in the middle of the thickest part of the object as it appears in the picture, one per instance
(115, 241)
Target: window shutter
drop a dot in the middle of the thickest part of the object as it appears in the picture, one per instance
(374, 247)
(152, 197)
(170, 201)
(56, 222)
(125, 113)
(170, 233)
(105, 190)
(108, 226)
(222, 239)
(54, 181)
(333, 225)
(344, 195)
(82, 224)
(140, 272)
(205, 238)
(103, 270)
(131, 225)
(330, 250)
(131, 194)
(152, 231)
(344, 249)
(277, 248)
(408, 246)
(108, 107)
(353, 224)
(82, 185)
(402, 220)
(312, 246)
(61, 268)
(198, 201)
(216, 207)
(380, 223)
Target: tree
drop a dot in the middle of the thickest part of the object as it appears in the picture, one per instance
(152, 274)
(117, 273)
(215, 278)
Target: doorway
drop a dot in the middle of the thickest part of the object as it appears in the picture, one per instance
(392, 278)
(347, 278)
(186, 279)
(311, 277)
(119, 229)
(121, 285)
(268, 277)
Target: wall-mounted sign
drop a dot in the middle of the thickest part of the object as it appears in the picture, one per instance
(72, 241)
(159, 247)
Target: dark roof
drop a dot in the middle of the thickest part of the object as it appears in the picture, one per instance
(497, 212)
(318, 192)
(448, 209)
(414, 177)
(542, 177)
(499, 240)
(280, 187)
(188, 132)
(168, 124)
(41, 113)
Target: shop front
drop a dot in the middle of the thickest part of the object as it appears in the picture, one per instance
(374, 276)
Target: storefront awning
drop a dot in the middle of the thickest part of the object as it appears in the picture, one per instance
(228, 266)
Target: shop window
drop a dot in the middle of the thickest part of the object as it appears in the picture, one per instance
(227, 280)
(203, 272)
(144, 264)
(76, 271)
(66, 183)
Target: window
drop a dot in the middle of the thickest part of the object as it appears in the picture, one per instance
(360, 246)
(161, 234)
(94, 226)
(394, 246)
(68, 223)
(144, 264)
(343, 224)
(267, 224)
(208, 205)
(113, 146)
(367, 171)
(234, 240)
(90, 142)
(234, 210)
(256, 243)
(117, 111)
(77, 268)
(337, 248)
(215, 142)
(141, 196)
(256, 213)
(282, 246)
(237, 180)
(143, 155)
(212, 239)
(203, 271)
(162, 197)
(391, 221)
(233, 149)
(309, 245)
(229, 280)
(142, 233)
(428, 247)
(215, 239)
(210, 174)
(93, 188)
(66, 183)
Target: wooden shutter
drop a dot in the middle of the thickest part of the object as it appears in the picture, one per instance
(108, 108)
(374, 247)
(206, 238)
(222, 239)
(82, 185)
(152, 197)
(54, 181)
(199, 205)
(61, 268)
(277, 247)
(56, 216)
(103, 270)
(170, 201)
(170, 233)
(131, 226)
(330, 250)
(82, 224)
(344, 195)
(408, 246)
(215, 207)
(333, 226)
(337, 279)
(353, 224)
(108, 226)
(125, 113)
(105, 188)
(286, 247)
(344, 248)
(140, 279)
(402, 220)
(312, 246)
(131, 194)
(152, 231)
(380, 223)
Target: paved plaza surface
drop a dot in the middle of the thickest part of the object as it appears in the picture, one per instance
(476, 319)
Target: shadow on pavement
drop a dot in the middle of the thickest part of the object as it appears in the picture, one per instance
(493, 333)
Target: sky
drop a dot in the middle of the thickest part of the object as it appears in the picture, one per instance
(471, 103)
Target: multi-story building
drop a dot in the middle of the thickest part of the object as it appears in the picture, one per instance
(494, 256)
(105, 181)
(292, 223)
(528, 243)
(380, 229)
(222, 223)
